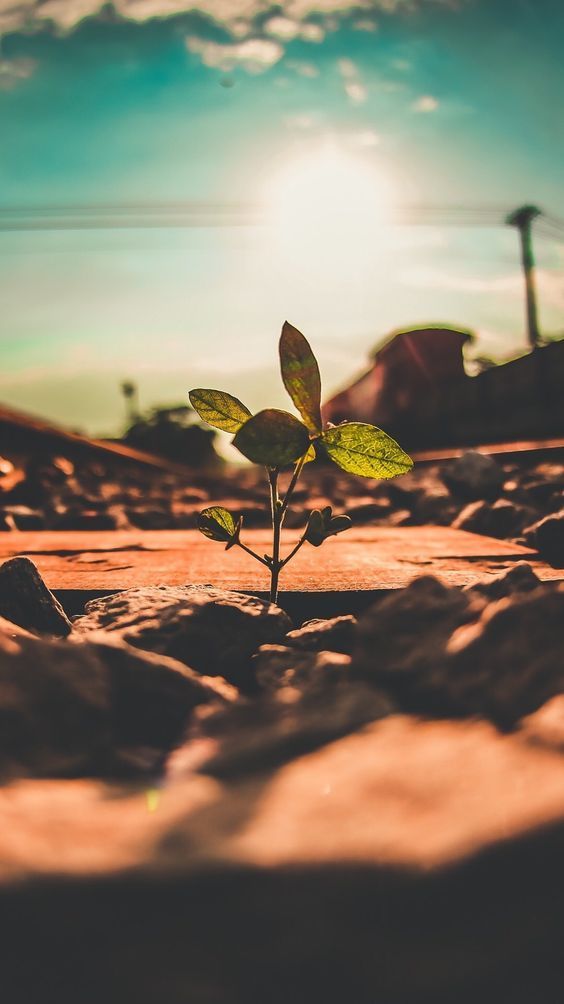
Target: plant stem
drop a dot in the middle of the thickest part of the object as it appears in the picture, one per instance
(297, 471)
(249, 550)
(277, 517)
(294, 551)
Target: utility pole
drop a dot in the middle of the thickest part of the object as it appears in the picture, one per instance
(129, 391)
(522, 219)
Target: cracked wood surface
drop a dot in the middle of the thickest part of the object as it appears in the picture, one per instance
(366, 560)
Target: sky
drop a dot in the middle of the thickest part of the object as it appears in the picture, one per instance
(178, 178)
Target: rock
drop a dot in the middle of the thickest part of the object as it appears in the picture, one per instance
(10, 630)
(84, 519)
(401, 642)
(281, 666)
(473, 476)
(458, 657)
(212, 630)
(545, 727)
(26, 600)
(368, 509)
(500, 519)
(520, 578)
(547, 536)
(92, 707)
(335, 634)
(24, 518)
(509, 662)
(253, 738)
(410, 862)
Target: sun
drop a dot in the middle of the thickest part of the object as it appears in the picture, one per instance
(329, 204)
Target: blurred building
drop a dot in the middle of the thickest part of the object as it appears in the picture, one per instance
(418, 389)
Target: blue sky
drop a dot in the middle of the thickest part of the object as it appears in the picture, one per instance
(377, 113)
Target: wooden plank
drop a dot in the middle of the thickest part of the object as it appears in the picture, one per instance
(508, 451)
(366, 560)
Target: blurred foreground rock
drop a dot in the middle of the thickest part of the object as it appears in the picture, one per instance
(26, 600)
(353, 827)
(97, 707)
(410, 862)
(213, 630)
(440, 652)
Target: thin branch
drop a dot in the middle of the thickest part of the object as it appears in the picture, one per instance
(294, 551)
(253, 554)
(297, 471)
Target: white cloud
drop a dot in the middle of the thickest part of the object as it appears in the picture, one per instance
(301, 121)
(312, 33)
(354, 88)
(18, 15)
(425, 104)
(302, 68)
(550, 283)
(254, 54)
(347, 69)
(365, 24)
(13, 71)
(356, 92)
(282, 27)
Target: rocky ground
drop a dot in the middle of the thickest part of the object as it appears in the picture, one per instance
(202, 802)
(521, 499)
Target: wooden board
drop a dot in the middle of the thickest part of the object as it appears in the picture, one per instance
(344, 574)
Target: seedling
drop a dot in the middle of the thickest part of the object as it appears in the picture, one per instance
(277, 440)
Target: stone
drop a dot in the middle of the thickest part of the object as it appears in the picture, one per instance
(509, 662)
(26, 600)
(335, 633)
(547, 536)
(520, 578)
(252, 738)
(282, 666)
(212, 630)
(502, 518)
(10, 630)
(473, 476)
(23, 518)
(407, 863)
(91, 707)
(441, 652)
(545, 727)
(402, 639)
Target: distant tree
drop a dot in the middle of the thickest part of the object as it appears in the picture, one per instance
(174, 433)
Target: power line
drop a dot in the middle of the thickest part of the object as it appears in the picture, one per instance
(207, 214)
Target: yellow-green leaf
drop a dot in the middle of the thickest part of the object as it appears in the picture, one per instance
(219, 409)
(273, 438)
(363, 449)
(300, 374)
(217, 523)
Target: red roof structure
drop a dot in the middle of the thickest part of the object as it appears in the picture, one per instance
(417, 388)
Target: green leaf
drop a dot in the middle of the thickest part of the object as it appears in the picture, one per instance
(300, 374)
(310, 455)
(322, 524)
(273, 438)
(363, 449)
(219, 409)
(217, 523)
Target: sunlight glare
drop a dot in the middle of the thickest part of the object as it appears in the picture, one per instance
(330, 205)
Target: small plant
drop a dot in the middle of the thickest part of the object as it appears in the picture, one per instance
(277, 440)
